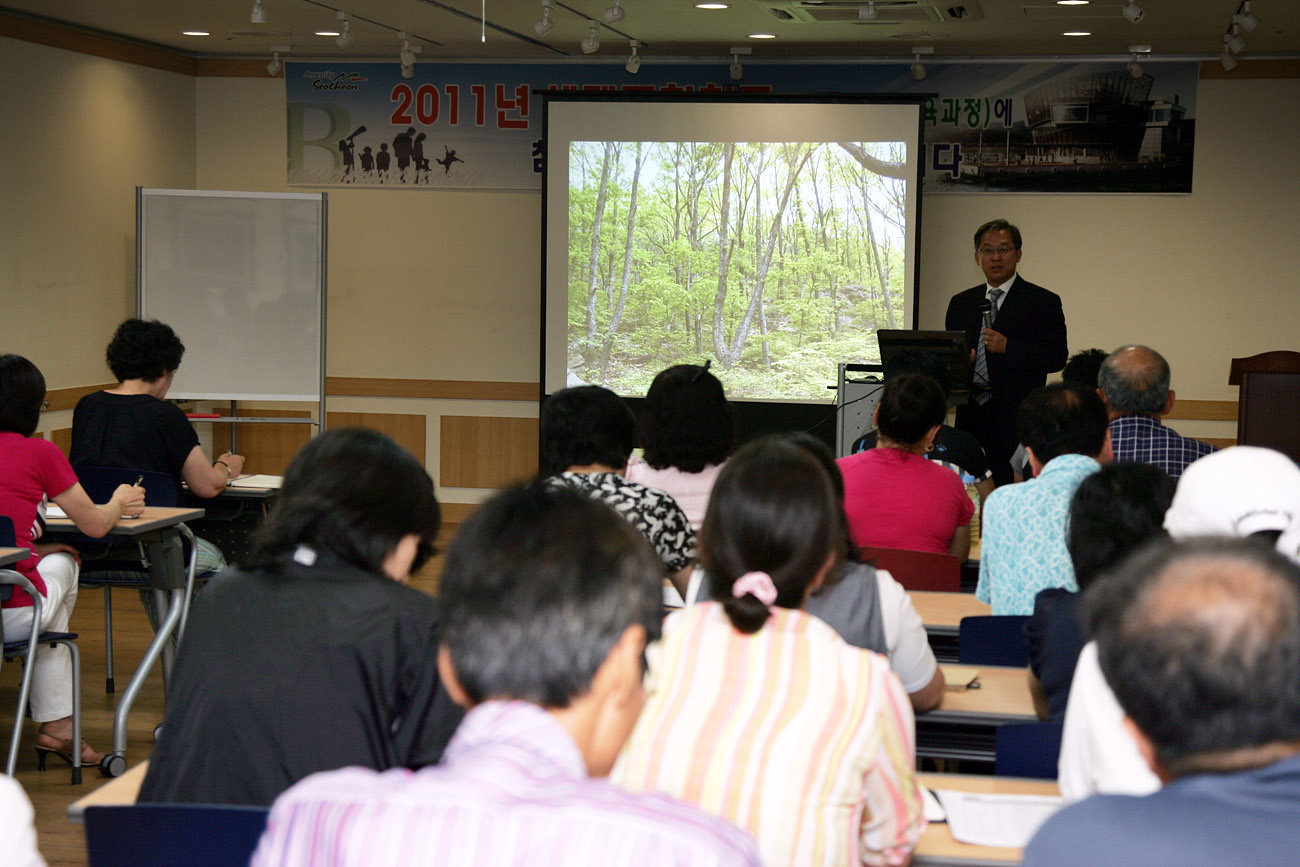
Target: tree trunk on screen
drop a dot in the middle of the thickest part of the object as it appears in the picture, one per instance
(619, 307)
(593, 270)
(724, 260)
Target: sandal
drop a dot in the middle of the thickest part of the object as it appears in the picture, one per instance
(47, 744)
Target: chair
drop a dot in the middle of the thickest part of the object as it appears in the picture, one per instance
(25, 649)
(917, 570)
(142, 835)
(116, 563)
(1028, 750)
(993, 640)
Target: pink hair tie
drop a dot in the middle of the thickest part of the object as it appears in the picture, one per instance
(758, 583)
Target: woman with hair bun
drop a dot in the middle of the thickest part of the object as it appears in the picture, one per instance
(893, 496)
(759, 712)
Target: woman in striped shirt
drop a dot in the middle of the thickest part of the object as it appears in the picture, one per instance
(761, 713)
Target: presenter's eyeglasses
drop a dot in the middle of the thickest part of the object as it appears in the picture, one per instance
(1001, 251)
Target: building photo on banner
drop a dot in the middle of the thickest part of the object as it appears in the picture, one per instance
(991, 127)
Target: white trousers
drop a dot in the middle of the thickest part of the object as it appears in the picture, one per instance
(52, 666)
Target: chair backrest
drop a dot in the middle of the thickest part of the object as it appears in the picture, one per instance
(7, 540)
(993, 640)
(160, 489)
(917, 570)
(1028, 749)
(142, 835)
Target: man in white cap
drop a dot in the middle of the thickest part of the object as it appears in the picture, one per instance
(1243, 491)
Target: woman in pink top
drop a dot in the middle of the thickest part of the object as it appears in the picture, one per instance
(685, 432)
(893, 496)
(759, 712)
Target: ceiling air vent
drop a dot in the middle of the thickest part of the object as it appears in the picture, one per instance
(911, 12)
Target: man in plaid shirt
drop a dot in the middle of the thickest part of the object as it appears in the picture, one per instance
(1134, 382)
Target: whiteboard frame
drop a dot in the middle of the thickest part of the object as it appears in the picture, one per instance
(322, 200)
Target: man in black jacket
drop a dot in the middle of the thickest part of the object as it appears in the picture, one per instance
(1018, 341)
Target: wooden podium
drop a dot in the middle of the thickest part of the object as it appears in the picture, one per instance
(1268, 411)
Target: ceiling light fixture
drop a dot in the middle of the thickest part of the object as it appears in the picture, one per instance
(867, 11)
(258, 15)
(1134, 68)
(736, 70)
(407, 55)
(195, 33)
(1233, 42)
(762, 36)
(591, 44)
(273, 68)
(1132, 12)
(1228, 62)
(615, 13)
(1072, 2)
(712, 5)
(1077, 33)
(633, 65)
(543, 25)
(1245, 18)
(918, 68)
(345, 38)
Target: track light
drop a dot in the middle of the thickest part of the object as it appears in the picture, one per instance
(344, 39)
(867, 11)
(273, 68)
(543, 25)
(736, 70)
(1228, 61)
(1245, 18)
(258, 15)
(918, 68)
(633, 65)
(1233, 42)
(591, 44)
(1134, 68)
(407, 55)
(1133, 12)
(615, 13)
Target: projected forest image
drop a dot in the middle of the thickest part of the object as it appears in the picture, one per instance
(777, 261)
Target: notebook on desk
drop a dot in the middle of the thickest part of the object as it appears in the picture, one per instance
(257, 481)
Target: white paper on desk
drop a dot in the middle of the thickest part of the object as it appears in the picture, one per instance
(53, 511)
(257, 481)
(996, 820)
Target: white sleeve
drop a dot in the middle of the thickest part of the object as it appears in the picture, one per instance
(1098, 755)
(18, 841)
(910, 655)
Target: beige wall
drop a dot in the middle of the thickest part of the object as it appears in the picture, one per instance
(79, 133)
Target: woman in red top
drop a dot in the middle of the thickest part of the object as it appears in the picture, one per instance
(33, 471)
(893, 496)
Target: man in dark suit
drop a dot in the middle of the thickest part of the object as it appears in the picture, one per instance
(1026, 342)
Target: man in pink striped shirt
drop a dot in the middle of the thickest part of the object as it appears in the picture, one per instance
(549, 600)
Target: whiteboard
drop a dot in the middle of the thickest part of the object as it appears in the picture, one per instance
(240, 277)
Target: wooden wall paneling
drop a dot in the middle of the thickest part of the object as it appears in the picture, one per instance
(1204, 410)
(486, 452)
(268, 448)
(407, 430)
(431, 389)
(62, 438)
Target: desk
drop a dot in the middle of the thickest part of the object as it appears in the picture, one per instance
(937, 845)
(965, 725)
(155, 524)
(121, 792)
(942, 613)
(9, 556)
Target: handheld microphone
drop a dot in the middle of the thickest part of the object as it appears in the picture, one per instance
(986, 312)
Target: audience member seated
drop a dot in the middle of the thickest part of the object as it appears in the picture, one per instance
(1240, 491)
(132, 426)
(1134, 382)
(586, 440)
(32, 472)
(1022, 542)
(549, 601)
(1082, 368)
(893, 496)
(759, 712)
(1113, 512)
(1202, 643)
(685, 431)
(958, 450)
(315, 655)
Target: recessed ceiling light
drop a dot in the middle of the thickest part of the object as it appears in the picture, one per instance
(195, 33)
(1077, 33)
(762, 36)
(327, 33)
(712, 5)
(1071, 2)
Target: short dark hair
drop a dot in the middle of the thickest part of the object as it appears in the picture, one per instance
(353, 493)
(1062, 418)
(22, 391)
(909, 406)
(539, 584)
(584, 425)
(1139, 385)
(143, 349)
(686, 421)
(997, 226)
(772, 510)
(1201, 642)
(921, 361)
(1083, 367)
(1113, 512)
